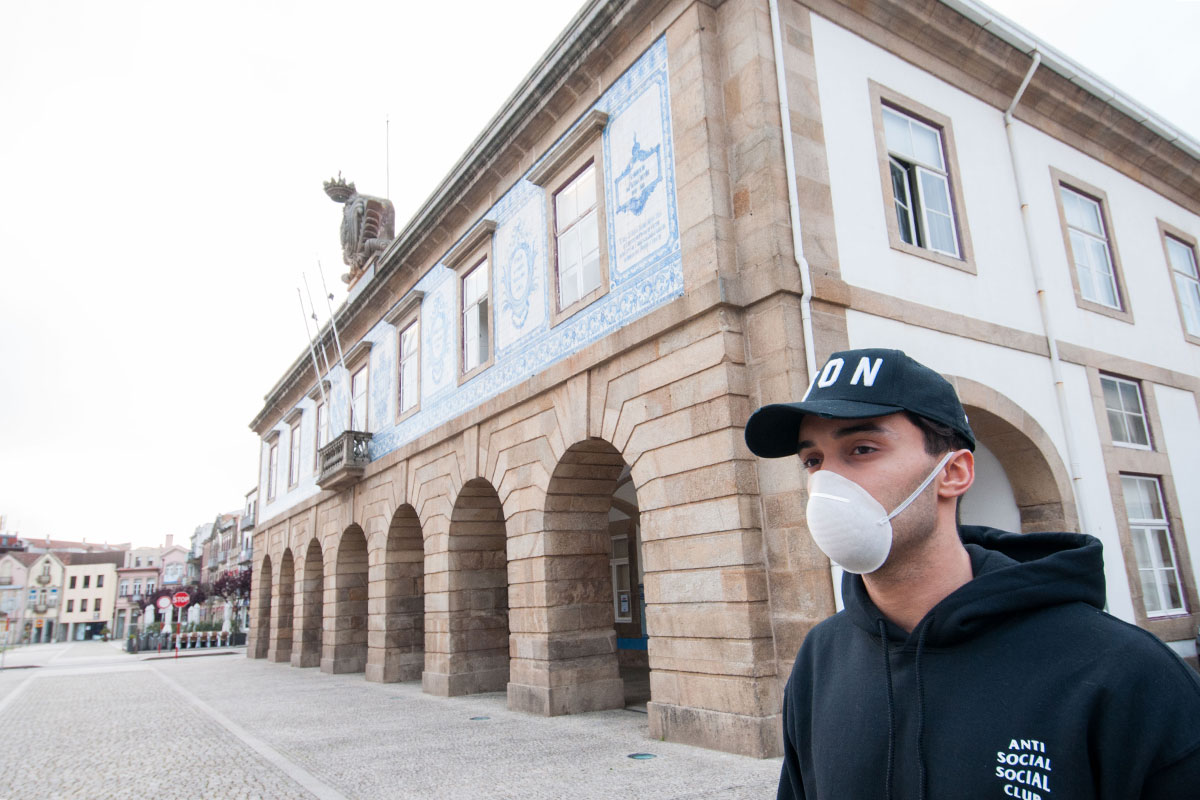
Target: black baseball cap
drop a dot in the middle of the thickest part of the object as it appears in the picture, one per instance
(858, 384)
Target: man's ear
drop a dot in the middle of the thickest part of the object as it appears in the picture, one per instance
(958, 475)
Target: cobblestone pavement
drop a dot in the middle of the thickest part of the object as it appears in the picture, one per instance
(91, 721)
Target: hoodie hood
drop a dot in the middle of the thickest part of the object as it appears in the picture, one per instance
(1014, 573)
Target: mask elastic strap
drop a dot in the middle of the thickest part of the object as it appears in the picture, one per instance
(924, 484)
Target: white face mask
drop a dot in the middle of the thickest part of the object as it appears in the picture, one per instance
(849, 525)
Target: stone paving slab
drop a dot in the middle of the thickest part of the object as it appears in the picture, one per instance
(258, 729)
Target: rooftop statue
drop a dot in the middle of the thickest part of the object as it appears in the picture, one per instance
(368, 225)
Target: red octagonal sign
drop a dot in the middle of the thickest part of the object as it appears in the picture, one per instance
(180, 599)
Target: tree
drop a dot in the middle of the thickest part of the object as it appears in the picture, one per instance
(232, 586)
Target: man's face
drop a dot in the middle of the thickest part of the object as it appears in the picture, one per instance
(884, 455)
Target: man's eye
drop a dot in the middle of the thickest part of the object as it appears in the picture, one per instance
(810, 461)
(862, 450)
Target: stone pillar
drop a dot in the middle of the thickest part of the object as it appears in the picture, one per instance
(396, 604)
(467, 631)
(346, 629)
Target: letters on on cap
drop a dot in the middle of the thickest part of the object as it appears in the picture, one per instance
(865, 373)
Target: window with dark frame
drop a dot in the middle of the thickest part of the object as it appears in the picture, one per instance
(920, 183)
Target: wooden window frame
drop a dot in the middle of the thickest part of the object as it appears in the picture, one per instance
(563, 163)
(1145, 415)
(472, 251)
(272, 442)
(1062, 180)
(1168, 231)
(321, 390)
(358, 359)
(883, 96)
(406, 313)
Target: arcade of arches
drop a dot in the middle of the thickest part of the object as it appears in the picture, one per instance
(654, 564)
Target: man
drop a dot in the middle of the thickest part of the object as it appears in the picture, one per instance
(968, 662)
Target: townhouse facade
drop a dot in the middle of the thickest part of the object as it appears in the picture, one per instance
(527, 473)
(88, 600)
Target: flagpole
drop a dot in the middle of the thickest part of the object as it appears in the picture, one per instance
(338, 341)
(312, 352)
(316, 322)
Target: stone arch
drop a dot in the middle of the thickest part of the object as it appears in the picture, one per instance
(396, 625)
(1040, 482)
(262, 618)
(346, 638)
(308, 624)
(281, 640)
(466, 601)
(566, 658)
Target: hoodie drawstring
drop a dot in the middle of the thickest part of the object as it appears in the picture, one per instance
(921, 709)
(887, 668)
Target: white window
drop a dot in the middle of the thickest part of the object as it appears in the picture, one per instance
(322, 440)
(1152, 546)
(358, 398)
(123, 588)
(920, 183)
(1187, 282)
(475, 327)
(150, 586)
(1126, 413)
(272, 471)
(622, 593)
(294, 456)
(576, 238)
(1090, 248)
(137, 587)
(410, 375)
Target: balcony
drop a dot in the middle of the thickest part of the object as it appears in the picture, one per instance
(5, 580)
(43, 579)
(344, 460)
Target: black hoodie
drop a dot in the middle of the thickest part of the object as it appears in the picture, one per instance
(1015, 685)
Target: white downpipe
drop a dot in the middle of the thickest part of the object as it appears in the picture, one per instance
(789, 166)
(1039, 283)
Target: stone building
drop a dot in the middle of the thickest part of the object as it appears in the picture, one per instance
(529, 476)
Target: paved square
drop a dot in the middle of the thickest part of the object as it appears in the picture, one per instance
(96, 722)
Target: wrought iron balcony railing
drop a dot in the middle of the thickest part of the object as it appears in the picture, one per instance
(344, 459)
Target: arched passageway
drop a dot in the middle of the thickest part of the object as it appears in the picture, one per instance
(396, 625)
(262, 622)
(284, 607)
(466, 633)
(308, 630)
(348, 632)
(1022, 482)
(582, 622)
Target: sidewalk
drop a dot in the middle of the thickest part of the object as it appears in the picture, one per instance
(234, 727)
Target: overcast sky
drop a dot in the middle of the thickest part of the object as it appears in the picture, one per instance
(162, 167)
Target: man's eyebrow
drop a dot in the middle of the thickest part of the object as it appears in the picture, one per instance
(849, 430)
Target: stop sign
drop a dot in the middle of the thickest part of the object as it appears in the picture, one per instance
(180, 599)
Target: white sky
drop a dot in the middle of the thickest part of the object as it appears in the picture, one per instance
(162, 167)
